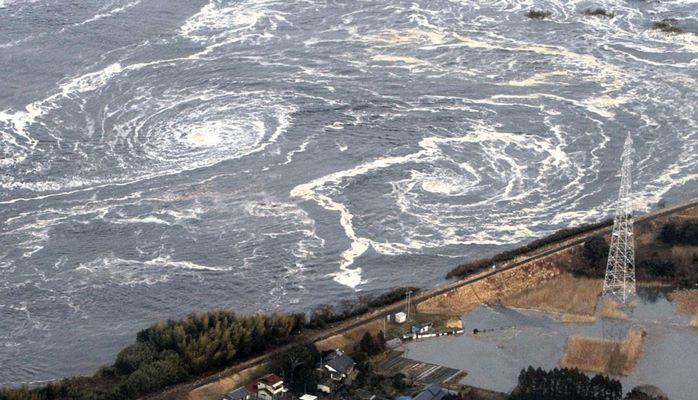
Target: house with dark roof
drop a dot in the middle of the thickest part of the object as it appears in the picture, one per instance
(240, 393)
(432, 392)
(338, 364)
(334, 369)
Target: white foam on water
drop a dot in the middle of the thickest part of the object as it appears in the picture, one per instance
(538, 79)
(176, 133)
(320, 190)
(408, 60)
(110, 269)
(217, 25)
(109, 13)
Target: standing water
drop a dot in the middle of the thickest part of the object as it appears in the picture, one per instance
(513, 340)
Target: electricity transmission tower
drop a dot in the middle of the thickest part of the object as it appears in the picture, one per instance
(620, 269)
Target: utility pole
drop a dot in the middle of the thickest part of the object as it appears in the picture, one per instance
(620, 268)
(409, 293)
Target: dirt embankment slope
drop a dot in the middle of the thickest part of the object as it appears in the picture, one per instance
(495, 287)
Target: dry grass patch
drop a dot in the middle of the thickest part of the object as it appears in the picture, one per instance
(686, 301)
(564, 294)
(604, 356)
(466, 298)
(454, 323)
(577, 319)
(612, 309)
(346, 341)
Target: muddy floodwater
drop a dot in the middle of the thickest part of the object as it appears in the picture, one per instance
(514, 339)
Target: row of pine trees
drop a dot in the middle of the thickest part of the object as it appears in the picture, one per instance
(173, 351)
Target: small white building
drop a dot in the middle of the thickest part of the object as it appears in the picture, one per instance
(421, 329)
(270, 387)
(400, 317)
(308, 397)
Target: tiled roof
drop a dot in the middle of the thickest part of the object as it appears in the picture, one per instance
(339, 362)
(271, 379)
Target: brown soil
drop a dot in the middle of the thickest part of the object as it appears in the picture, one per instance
(604, 356)
(563, 294)
(496, 287)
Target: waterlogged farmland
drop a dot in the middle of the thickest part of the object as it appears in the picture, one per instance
(512, 339)
(159, 157)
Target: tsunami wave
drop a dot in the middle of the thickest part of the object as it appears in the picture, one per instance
(157, 159)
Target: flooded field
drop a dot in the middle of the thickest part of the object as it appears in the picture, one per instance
(509, 340)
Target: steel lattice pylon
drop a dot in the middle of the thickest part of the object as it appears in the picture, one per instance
(620, 269)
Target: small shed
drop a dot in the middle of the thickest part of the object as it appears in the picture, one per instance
(420, 328)
(400, 317)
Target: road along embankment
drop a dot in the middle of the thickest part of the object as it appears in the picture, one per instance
(507, 278)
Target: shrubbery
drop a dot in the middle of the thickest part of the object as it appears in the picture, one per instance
(326, 314)
(297, 366)
(657, 268)
(685, 233)
(591, 261)
(372, 345)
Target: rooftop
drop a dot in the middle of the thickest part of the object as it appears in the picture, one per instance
(339, 361)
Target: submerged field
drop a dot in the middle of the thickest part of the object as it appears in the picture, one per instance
(514, 339)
